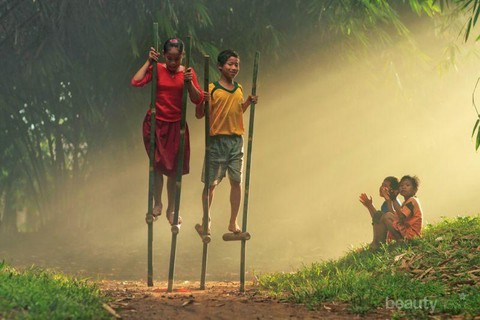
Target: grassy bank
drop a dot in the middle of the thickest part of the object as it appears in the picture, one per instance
(435, 275)
(41, 294)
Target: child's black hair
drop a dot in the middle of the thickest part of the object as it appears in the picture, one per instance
(225, 55)
(415, 181)
(173, 43)
(394, 183)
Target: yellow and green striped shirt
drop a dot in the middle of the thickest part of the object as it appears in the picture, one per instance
(226, 113)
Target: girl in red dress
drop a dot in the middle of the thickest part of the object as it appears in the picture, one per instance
(171, 77)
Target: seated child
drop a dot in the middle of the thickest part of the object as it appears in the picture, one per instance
(390, 186)
(405, 222)
(401, 222)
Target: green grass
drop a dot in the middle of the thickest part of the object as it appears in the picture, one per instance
(437, 274)
(43, 294)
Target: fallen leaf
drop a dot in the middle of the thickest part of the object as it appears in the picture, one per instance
(416, 258)
(445, 261)
(425, 273)
(127, 307)
(186, 303)
(417, 271)
(470, 282)
(111, 311)
(400, 256)
(405, 265)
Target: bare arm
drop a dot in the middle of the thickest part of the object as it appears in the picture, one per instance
(152, 56)
(200, 109)
(195, 94)
(392, 204)
(390, 199)
(142, 71)
(368, 203)
(250, 99)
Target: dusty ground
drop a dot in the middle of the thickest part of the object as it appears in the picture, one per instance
(117, 267)
(220, 300)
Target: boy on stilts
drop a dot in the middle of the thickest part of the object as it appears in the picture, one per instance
(227, 106)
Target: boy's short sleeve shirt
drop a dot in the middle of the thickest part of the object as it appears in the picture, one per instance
(226, 113)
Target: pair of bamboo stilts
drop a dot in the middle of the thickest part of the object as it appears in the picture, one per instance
(243, 236)
(178, 185)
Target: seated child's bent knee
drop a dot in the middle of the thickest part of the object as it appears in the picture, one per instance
(388, 218)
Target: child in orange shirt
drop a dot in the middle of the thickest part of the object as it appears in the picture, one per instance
(406, 222)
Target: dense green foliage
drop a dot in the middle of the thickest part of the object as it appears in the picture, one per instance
(40, 294)
(66, 65)
(437, 274)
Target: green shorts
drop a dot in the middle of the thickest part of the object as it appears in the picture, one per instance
(226, 154)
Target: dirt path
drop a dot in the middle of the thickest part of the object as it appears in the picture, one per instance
(221, 300)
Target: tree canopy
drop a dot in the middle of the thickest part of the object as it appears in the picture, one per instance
(66, 65)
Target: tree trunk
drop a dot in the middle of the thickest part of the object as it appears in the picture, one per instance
(8, 226)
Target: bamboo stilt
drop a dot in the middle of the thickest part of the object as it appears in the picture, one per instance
(206, 203)
(151, 171)
(247, 173)
(181, 153)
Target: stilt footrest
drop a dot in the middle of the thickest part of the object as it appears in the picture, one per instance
(149, 218)
(205, 238)
(176, 228)
(236, 236)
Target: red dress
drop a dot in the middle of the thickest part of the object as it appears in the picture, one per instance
(168, 114)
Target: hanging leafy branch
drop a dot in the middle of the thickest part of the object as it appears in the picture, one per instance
(476, 127)
(472, 9)
(64, 98)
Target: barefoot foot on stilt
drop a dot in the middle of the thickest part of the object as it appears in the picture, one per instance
(234, 227)
(156, 212)
(170, 215)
